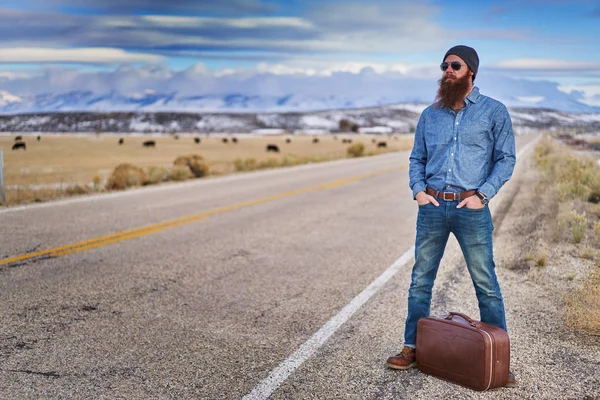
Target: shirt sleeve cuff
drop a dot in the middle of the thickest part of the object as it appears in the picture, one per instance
(488, 190)
(418, 187)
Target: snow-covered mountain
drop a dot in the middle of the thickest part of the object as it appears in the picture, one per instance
(79, 101)
(196, 89)
(86, 101)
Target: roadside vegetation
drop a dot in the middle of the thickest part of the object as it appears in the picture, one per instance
(59, 166)
(572, 180)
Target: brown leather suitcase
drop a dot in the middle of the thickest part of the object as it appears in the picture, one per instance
(461, 350)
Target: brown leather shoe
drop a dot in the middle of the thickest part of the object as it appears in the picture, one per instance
(405, 360)
(512, 381)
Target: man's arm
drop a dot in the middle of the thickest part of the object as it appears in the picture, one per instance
(503, 155)
(418, 159)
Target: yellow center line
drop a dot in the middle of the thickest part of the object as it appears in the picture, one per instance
(146, 230)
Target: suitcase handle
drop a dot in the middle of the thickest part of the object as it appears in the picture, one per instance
(463, 316)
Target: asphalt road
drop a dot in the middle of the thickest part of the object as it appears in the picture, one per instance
(200, 290)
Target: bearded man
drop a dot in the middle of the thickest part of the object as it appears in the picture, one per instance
(464, 151)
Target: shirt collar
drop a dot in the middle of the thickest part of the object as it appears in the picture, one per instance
(474, 95)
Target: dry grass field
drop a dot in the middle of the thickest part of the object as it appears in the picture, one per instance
(570, 229)
(60, 161)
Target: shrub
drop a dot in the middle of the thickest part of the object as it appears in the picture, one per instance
(578, 226)
(597, 230)
(356, 150)
(157, 174)
(583, 306)
(124, 176)
(77, 189)
(345, 125)
(196, 164)
(577, 177)
(96, 182)
(588, 252)
(179, 173)
(541, 261)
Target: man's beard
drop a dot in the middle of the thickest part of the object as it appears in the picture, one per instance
(453, 91)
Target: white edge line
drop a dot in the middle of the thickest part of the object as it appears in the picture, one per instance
(267, 386)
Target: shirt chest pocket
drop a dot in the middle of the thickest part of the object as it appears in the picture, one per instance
(475, 133)
(436, 135)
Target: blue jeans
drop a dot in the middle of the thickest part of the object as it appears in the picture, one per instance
(473, 231)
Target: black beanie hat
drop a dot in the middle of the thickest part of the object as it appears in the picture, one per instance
(468, 54)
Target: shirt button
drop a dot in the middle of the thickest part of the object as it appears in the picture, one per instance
(454, 138)
(450, 170)
(457, 123)
(451, 154)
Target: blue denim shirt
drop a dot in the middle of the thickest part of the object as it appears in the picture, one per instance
(471, 149)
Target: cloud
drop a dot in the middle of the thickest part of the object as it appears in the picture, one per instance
(549, 67)
(540, 63)
(166, 21)
(270, 80)
(386, 27)
(80, 55)
(10, 75)
(587, 93)
(21, 28)
(108, 7)
(339, 28)
(152, 33)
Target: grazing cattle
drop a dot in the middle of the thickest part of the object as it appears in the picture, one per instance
(288, 140)
(594, 198)
(346, 140)
(225, 140)
(19, 145)
(121, 141)
(176, 137)
(382, 144)
(17, 138)
(234, 140)
(39, 138)
(149, 143)
(316, 140)
(273, 148)
(196, 140)
(373, 140)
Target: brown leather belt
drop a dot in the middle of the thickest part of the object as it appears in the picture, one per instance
(450, 196)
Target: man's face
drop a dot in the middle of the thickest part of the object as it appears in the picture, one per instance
(454, 85)
(452, 75)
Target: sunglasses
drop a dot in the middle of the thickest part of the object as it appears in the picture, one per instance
(454, 64)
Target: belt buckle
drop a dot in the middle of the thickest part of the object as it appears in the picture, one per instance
(451, 194)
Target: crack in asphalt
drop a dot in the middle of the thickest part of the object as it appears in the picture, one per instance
(29, 261)
(51, 374)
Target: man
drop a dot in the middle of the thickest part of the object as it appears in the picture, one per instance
(464, 151)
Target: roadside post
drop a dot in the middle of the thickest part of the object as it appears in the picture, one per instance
(2, 194)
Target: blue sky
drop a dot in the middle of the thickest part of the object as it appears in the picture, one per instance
(550, 40)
